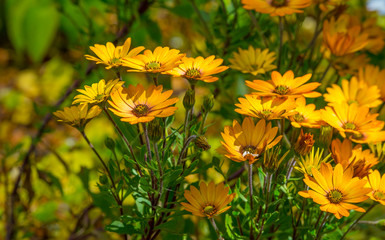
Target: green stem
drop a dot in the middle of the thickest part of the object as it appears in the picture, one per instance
(203, 122)
(185, 146)
(160, 170)
(124, 140)
(251, 199)
(357, 220)
(216, 229)
(155, 78)
(318, 236)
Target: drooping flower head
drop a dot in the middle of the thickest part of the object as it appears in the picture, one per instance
(247, 142)
(254, 106)
(341, 39)
(354, 122)
(335, 189)
(112, 56)
(361, 161)
(377, 185)
(349, 64)
(163, 59)
(276, 7)
(199, 69)
(353, 91)
(312, 160)
(136, 104)
(304, 143)
(305, 115)
(254, 61)
(97, 92)
(285, 86)
(77, 116)
(209, 201)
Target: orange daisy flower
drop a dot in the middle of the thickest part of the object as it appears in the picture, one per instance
(305, 115)
(354, 120)
(112, 56)
(267, 109)
(361, 161)
(335, 190)
(276, 7)
(377, 184)
(135, 104)
(210, 201)
(341, 41)
(285, 86)
(249, 141)
(353, 91)
(199, 69)
(163, 59)
(77, 116)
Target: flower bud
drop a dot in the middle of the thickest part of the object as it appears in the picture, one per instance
(110, 144)
(208, 103)
(155, 130)
(304, 143)
(189, 99)
(201, 142)
(103, 179)
(326, 135)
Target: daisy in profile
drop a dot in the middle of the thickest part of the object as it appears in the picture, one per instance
(285, 86)
(354, 122)
(276, 7)
(161, 60)
(199, 69)
(78, 116)
(136, 104)
(254, 61)
(247, 142)
(209, 201)
(335, 189)
(312, 160)
(353, 91)
(305, 115)
(361, 161)
(340, 40)
(268, 109)
(97, 92)
(377, 185)
(112, 56)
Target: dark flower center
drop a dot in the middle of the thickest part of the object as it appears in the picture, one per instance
(281, 89)
(335, 196)
(350, 126)
(140, 110)
(152, 66)
(192, 73)
(298, 117)
(248, 150)
(115, 61)
(379, 195)
(209, 211)
(279, 3)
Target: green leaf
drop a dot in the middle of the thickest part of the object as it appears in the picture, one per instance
(121, 228)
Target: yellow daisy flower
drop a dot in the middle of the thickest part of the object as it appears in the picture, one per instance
(353, 91)
(340, 39)
(77, 116)
(112, 56)
(276, 7)
(267, 109)
(377, 185)
(210, 201)
(360, 161)
(285, 86)
(135, 104)
(98, 92)
(249, 141)
(254, 61)
(312, 160)
(374, 76)
(335, 190)
(328, 5)
(161, 60)
(199, 69)
(354, 120)
(305, 115)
